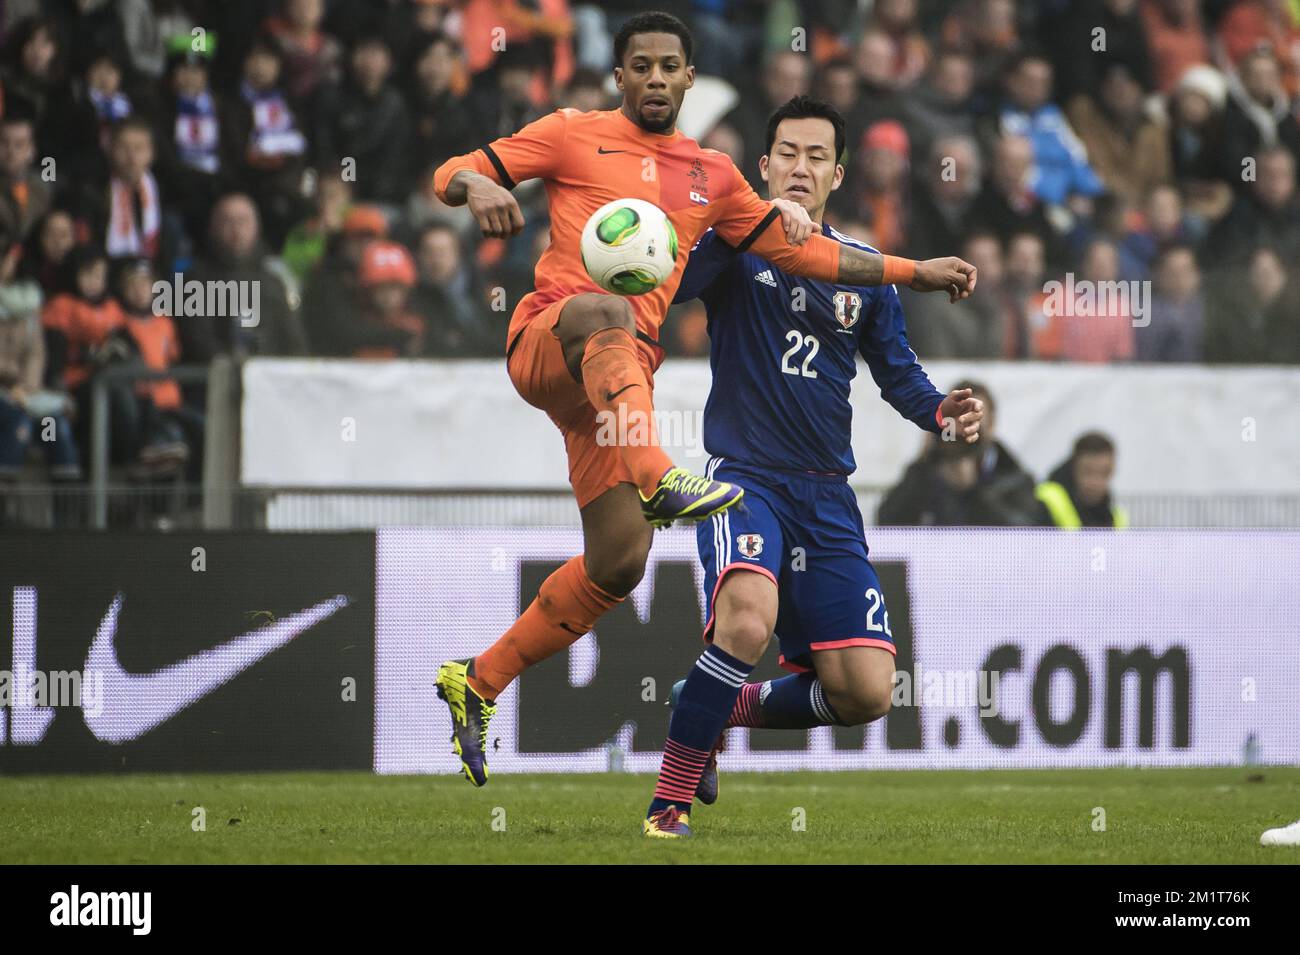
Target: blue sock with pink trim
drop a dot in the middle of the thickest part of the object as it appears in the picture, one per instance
(701, 713)
(791, 703)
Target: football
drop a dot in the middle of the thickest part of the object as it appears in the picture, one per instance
(629, 247)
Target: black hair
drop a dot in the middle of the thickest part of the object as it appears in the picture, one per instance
(652, 21)
(1092, 442)
(805, 107)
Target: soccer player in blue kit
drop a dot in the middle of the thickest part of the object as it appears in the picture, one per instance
(793, 561)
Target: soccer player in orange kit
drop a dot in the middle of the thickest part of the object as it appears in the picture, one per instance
(575, 351)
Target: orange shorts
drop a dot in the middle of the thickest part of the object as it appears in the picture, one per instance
(535, 362)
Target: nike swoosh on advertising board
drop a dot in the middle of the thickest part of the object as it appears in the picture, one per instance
(135, 703)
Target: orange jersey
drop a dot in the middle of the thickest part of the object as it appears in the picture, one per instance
(589, 159)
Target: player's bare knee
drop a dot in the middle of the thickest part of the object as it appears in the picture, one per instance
(858, 703)
(610, 311)
(618, 573)
(743, 633)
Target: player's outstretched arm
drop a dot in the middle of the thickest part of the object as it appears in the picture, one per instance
(495, 210)
(951, 275)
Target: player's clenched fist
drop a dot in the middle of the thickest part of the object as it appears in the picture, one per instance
(950, 275)
(494, 208)
(965, 411)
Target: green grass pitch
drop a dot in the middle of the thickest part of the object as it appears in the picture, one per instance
(1151, 816)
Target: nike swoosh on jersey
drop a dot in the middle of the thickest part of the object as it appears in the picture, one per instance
(611, 395)
(132, 704)
(608, 152)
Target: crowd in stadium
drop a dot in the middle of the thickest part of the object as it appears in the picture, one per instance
(1152, 142)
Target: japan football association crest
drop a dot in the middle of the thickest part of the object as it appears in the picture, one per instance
(749, 545)
(848, 308)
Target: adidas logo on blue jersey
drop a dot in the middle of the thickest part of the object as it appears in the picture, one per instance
(765, 277)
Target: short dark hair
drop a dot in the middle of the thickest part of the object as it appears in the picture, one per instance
(653, 21)
(805, 107)
(1093, 442)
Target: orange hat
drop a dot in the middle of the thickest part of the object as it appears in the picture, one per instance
(365, 220)
(387, 262)
(887, 134)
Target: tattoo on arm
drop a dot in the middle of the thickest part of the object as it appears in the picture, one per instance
(859, 267)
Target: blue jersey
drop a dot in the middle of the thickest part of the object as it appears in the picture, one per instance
(783, 354)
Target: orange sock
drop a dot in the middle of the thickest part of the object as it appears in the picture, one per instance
(567, 605)
(616, 383)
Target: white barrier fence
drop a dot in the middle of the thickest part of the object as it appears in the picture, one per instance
(442, 425)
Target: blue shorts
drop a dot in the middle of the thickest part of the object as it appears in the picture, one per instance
(804, 531)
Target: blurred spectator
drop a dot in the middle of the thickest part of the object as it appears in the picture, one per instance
(1128, 149)
(83, 330)
(1269, 214)
(839, 83)
(267, 141)
(46, 256)
(331, 293)
(1161, 225)
(1089, 320)
(881, 197)
(953, 483)
(541, 27)
(89, 111)
(1258, 115)
(972, 328)
(946, 190)
(127, 214)
(33, 74)
(149, 27)
(726, 140)
(451, 307)
(910, 54)
(1254, 321)
(168, 432)
(1060, 167)
(1177, 310)
(24, 196)
(585, 92)
(27, 410)
(1176, 39)
(987, 30)
(311, 56)
(363, 121)
(1077, 494)
(442, 120)
(784, 75)
(502, 100)
(195, 155)
(1196, 145)
(1250, 25)
(386, 327)
(306, 242)
(1093, 38)
(1026, 267)
(1007, 203)
(235, 253)
(942, 105)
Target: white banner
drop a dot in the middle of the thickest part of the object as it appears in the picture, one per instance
(1160, 648)
(460, 424)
